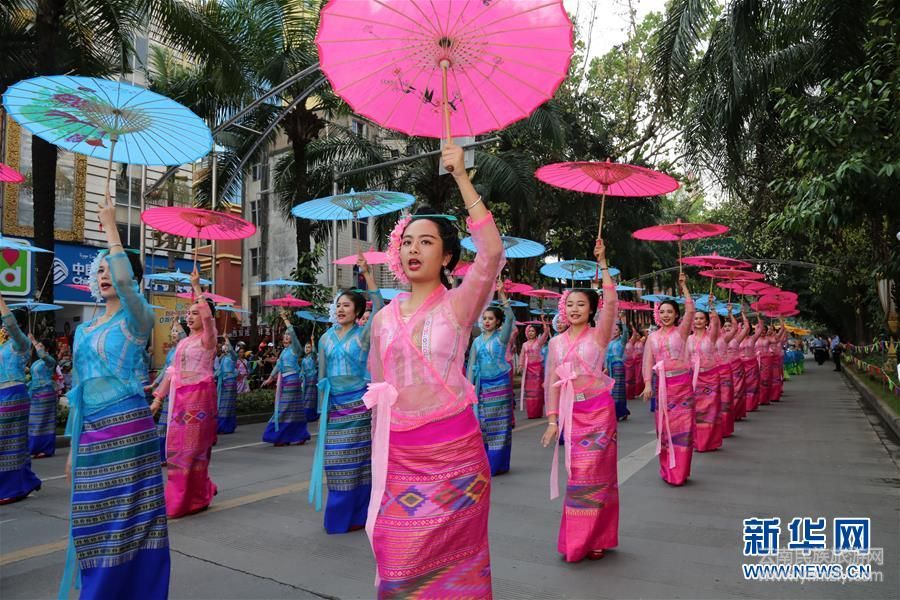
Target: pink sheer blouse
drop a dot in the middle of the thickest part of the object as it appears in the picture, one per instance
(531, 350)
(703, 347)
(420, 356)
(194, 355)
(669, 346)
(585, 353)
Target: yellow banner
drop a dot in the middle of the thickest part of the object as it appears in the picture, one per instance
(173, 308)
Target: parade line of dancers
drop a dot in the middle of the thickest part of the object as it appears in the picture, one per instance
(411, 435)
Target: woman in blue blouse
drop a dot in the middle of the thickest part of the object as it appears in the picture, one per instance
(288, 423)
(16, 477)
(345, 451)
(226, 389)
(42, 417)
(119, 541)
(491, 374)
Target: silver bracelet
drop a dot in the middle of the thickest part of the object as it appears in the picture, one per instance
(474, 204)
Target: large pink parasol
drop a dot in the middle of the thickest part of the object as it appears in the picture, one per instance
(198, 223)
(715, 261)
(289, 301)
(216, 298)
(480, 64)
(678, 232)
(373, 258)
(607, 179)
(745, 287)
(10, 175)
(734, 274)
(511, 287)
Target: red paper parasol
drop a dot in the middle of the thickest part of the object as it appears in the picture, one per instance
(764, 304)
(607, 179)
(289, 301)
(734, 274)
(511, 287)
(78, 286)
(714, 261)
(216, 298)
(198, 223)
(779, 296)
(10, 175)
(373, 258)
(745, 287)
(678, 232)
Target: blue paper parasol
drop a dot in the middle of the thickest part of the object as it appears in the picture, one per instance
(515, 247)
(8, 244)
(174, 277)
(626, 288)
(544, 311)
(108, 119)
(353, 205)
(312, 316)
(284, 282)
(656, 297)
(512, 303)
(390, 293)
(578, 270)
(231, 309)
(32, 306)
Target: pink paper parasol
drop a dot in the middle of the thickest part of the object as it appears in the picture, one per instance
(198, 223)
(678, 232)
(78, 286)
(779, 296)
(216, 298)
(714, 261)
(733, 274)
(373, 258)
(745, 287)
(10, 175)
(542, 294)
(479, 65)
(607, 179)
(511, 287)
(289, 301)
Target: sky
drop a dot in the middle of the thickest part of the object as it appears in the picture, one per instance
(611, 22)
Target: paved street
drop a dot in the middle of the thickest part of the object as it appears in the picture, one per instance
(814, 454)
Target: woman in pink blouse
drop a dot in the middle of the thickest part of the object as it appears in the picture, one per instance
(191, 390)
(707, 400)
(531, 367)
(581, 409)
(427, 446)
(751, 367)
(736, 365)
(666, 356)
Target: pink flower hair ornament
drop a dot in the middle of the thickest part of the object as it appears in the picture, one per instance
(393, 250)
(561, 308)
(656, 318)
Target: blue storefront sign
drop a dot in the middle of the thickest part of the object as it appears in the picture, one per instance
(72, 264)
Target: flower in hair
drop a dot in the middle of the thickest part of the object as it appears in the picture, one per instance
(93, 284)
(393, 250)
(561, 307)
(656, 318)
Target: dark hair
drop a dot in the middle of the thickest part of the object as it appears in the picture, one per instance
(533, 326)
(675, 306)
(212, 306)
(705, 314)
(593, 302)
(136, 267)
(498, 314)
(358, 300)
(449, 237)
(184, 326)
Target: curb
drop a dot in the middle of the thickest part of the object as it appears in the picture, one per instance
(887, 417)
(63, 441)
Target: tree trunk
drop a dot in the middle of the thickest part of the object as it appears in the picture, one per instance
(47, 28)
(301, 126)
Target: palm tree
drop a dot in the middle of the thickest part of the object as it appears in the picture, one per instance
(94, 38)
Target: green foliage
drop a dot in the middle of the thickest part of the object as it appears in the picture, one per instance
(256, 401)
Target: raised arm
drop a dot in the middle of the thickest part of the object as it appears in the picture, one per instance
(715, 324)
(42, 353)
(296, 346)
(472, 364)
(509, 318)
(607, 316)
(687, 320)
(759, 330)
(545, 334)
(647, 368)
(472, 295)
(19, 340)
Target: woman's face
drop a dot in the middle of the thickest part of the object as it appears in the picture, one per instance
(578, 308)
(530, 332)
(104, 281)
(727, 326)
(667, 314)
(307, 348)
(488, 321)
(700, 321)
(175, 332)
(346, 310)
(194, 321)
(422, 252)
(286, 341)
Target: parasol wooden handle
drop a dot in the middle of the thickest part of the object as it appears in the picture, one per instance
(445, 106)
